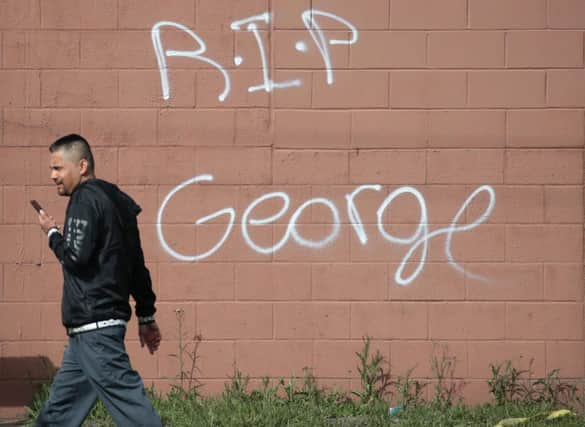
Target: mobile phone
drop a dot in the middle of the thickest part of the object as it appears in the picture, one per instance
(36, 205)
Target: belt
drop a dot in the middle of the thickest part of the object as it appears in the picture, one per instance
(96, 325)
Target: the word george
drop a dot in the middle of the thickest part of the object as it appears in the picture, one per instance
(419, 239)
(309, 18)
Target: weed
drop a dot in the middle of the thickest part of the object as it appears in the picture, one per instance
(375, 381)
(505, 383)
(267, 392)
(238, 385)
(447, 388)
(188, 383)
(408, 390)
(289, 389)
(550, 389)
(508, 384)
(310, 389)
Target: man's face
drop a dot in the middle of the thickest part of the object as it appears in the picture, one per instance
(64, 172)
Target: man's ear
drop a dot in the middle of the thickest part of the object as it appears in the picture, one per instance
(83, 167)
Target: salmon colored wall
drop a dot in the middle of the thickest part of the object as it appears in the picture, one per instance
(423, 101)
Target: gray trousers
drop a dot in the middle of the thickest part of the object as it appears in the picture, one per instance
(96, 366)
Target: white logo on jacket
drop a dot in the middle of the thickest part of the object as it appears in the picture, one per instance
(75, 233)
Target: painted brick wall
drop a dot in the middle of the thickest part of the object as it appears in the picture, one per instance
(433, 101)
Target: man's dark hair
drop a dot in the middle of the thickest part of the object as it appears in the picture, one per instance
(76, 148)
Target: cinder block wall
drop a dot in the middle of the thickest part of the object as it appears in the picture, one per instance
(421, 101)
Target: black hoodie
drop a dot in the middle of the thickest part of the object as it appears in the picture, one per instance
(101, 255)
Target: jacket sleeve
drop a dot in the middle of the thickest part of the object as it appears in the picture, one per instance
(141, 284)
(75, 248)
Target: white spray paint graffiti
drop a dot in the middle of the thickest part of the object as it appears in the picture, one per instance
(419, 239)
(422, 230)
(194, 54)
(268, 84)
(309, 19)
(229, 211)
(321, 42)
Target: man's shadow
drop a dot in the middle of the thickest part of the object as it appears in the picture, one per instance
(22, 377)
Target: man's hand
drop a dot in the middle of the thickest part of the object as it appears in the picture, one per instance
(46, 221)
(149, 334)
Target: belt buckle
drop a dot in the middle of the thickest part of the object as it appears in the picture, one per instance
(82, 328)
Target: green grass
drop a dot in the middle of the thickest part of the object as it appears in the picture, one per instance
(279, 403)
(265, 408)
(301, 402)
(260, 411)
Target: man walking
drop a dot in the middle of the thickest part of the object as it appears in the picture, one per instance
(103, 264)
